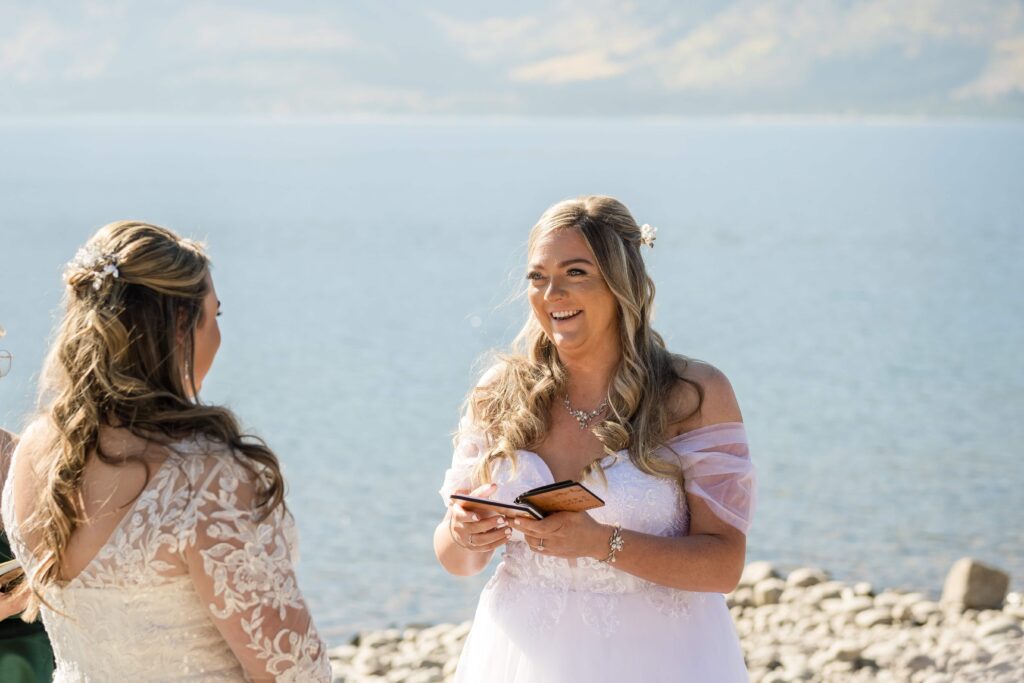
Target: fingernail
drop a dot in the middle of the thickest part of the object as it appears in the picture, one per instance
(502, 522)
(475, 518)
(508, 533)
(517, 522)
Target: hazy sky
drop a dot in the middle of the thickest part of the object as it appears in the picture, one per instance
(658, 58)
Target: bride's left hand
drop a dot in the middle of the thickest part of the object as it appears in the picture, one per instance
(565, 534)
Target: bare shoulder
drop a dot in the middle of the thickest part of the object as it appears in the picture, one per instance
(34, 439)
(718, 403)
(492, 374)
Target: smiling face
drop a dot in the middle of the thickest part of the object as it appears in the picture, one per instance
(570, 299)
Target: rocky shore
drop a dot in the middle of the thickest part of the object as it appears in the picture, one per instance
(799, 627)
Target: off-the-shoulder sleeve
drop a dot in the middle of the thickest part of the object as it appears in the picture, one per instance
(470, 444)
(717, 467)
(243, 571)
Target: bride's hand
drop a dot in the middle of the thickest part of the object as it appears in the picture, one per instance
(478, 531)
(566, 534)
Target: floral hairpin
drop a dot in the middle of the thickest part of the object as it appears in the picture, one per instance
(101, 265)
(648, 234)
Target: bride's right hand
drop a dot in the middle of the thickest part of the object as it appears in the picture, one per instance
(476, 531)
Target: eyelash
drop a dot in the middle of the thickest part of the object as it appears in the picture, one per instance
(572, 272)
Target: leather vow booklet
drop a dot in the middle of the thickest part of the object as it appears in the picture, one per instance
(564, 496)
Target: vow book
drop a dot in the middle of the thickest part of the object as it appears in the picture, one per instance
(538, 503)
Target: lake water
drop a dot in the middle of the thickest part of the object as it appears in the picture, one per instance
(860, 283)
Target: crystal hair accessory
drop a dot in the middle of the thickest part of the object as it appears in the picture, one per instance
(648, 233)
(101, 265)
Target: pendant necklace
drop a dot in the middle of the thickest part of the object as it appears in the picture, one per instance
(582, 416)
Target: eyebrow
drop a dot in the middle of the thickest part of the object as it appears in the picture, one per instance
(563, 264)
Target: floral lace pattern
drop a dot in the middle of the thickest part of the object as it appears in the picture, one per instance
(191, 586)
(716, 464)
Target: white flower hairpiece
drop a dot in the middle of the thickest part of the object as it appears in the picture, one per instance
(648, 234)
(92, 259)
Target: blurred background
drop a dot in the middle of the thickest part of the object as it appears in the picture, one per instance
(838, 187)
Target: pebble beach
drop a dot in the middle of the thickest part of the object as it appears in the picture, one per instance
(799, 626)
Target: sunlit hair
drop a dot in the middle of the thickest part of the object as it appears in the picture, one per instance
(122, 358)
(512, 409)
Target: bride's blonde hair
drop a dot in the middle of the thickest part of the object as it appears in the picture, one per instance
(512, 408)
(133, 300)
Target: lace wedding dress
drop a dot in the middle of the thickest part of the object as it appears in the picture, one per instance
(543, 619)
(189, 587)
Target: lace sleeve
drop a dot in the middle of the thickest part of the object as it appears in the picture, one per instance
(470, 444)
(717, 467)
(243, 572)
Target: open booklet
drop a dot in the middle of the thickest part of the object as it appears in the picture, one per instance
(563, 496)
(9, 571)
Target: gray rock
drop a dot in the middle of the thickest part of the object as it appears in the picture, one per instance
(755, 572)
(873, 617)
(919, 662)
(743, 597)
(863, 588)
(768, 591)
(844, 651)
(806, 577)
(974, 585)
(999, 625)
(824, 591)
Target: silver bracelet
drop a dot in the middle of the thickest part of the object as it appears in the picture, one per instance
(615, 543)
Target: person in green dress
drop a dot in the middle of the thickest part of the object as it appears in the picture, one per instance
(25, 652)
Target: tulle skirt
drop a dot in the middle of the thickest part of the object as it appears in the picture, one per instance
(524, 634)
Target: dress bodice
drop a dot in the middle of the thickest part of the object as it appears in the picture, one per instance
(191, 586)
(716, 466)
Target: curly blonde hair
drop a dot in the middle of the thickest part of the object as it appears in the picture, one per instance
(130, 314)
(513, 407)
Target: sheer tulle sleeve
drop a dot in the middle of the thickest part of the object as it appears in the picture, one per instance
(470, 444)
(717, 467)
(243, 572)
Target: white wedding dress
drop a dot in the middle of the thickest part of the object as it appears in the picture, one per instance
(543, 619)
(189, 587)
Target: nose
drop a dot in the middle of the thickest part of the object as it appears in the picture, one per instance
(554, 290)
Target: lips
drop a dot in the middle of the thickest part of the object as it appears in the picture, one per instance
(566, 314)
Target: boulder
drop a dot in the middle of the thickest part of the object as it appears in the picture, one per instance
(973, 585)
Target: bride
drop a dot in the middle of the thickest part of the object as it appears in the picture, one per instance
(154, 535)
(630, 591)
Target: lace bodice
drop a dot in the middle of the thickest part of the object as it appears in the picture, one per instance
(716, 466)
(189, 587)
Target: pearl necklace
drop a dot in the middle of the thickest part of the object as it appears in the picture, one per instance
(582, 416)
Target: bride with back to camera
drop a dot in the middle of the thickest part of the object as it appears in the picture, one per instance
(631, 590)
(153, 533)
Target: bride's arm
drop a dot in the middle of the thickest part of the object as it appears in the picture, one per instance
(463, 542)
(241, 566)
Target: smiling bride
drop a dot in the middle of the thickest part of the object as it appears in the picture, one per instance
(627, 585)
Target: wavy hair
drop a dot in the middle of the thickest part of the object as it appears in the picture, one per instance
(512, 408)
(122, 358)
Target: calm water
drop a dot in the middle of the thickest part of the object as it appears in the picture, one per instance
(859, 283)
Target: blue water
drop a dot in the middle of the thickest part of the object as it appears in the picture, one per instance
(860, 283)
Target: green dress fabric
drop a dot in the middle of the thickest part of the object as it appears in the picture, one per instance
(25, 652)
